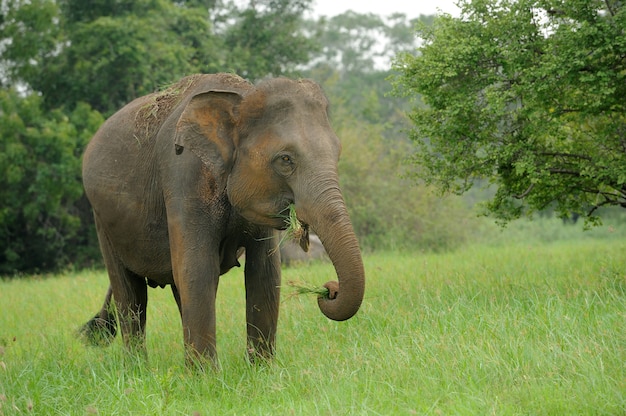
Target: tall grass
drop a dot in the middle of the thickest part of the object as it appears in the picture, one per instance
(525, 328)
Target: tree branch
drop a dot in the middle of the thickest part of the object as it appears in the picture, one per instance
(525, 193)
(570, 155)
(608, 7)
(564, 171)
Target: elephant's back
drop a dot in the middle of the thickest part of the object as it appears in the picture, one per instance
(114, 152)
(220, 82)
(137, 124)
(124, 191)
(118, 166)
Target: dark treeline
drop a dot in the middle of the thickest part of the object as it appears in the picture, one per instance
(66, 65)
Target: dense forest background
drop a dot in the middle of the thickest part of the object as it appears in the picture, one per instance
(66, 65)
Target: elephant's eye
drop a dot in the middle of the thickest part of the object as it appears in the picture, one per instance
(284, 164)
(285, 159)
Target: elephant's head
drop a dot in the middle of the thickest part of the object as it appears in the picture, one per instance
(275, 144)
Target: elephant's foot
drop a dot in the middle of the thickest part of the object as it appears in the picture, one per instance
(201, 362)
(260, 351)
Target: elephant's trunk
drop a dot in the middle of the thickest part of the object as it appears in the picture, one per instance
(328, 217)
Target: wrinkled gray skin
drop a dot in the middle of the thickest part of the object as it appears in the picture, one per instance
(182, 180)
(292, 254)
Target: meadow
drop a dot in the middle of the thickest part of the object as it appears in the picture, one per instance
(526, 324)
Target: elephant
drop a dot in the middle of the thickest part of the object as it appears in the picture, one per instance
(182, 181)
(291, 253)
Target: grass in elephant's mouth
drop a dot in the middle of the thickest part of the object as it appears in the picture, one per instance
(294, 229)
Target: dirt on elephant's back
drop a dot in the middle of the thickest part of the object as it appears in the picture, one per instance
(159, 105)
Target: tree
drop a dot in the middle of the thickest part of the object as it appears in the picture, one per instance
(363, 43)
(354, 61)
(528, 94)
(105, 53)
(28, 35)
(122, 50)
(387, 211)
(267, 38)
(41, 227)
(108, 52)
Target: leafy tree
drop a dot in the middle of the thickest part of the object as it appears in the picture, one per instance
(40, 224)
(352, 41)
(267, 38)
(109, 52)
(354, 64)
(105, 52)
(527, 93)
(122, 50)
(364, 43)
(28, 35)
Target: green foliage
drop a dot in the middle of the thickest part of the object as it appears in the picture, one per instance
(40, 188)
(77, 11)
(387, 210)
(509, 330)
(28, 35)
(267, 38)
(352, 64)
(127, 51)
(110, 52)
(529, 94)
(349, 40)
(355, 43)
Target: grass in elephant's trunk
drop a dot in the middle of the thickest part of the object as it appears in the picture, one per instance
(303, 288)
(296, 231)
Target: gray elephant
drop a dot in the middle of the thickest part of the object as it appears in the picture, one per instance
(292, 254)
(182, 180)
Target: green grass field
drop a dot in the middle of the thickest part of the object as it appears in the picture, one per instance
(531, 327)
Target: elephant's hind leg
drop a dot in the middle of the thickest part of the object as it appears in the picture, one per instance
(130, 292)
(102, 328)
(131, 300)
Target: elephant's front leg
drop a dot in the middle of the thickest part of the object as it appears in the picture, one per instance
(262, 295)
(198, 319)
(195, 264)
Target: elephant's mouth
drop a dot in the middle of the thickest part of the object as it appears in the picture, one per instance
(283, 219)
(297, 229)
(268, 214)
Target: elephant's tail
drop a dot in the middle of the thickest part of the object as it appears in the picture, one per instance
(102, 328)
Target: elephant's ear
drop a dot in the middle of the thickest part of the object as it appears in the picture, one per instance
(206, 127)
